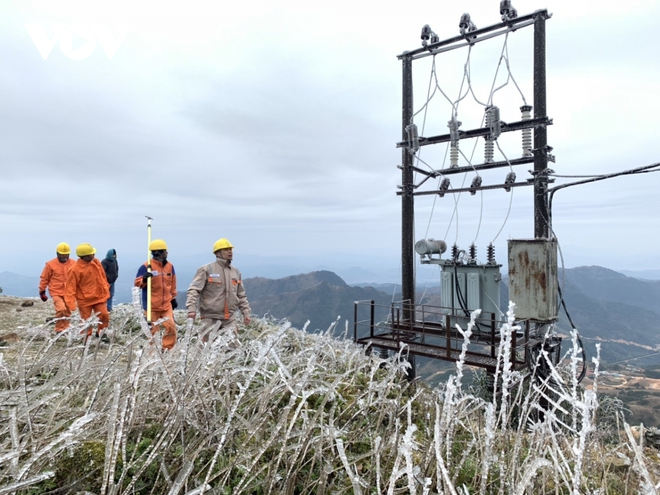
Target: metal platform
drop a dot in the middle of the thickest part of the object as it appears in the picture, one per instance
(435, 335)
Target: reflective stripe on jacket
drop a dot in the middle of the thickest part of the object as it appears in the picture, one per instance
(86, 285)
(218, 288)
(163, 285)
(54, 275)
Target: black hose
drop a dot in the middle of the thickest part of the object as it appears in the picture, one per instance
(583, 373)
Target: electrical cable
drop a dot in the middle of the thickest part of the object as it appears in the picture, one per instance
(431, 92)
(570, 321)
(508, 68)
(497, 71)
(459, 292)
(460, 89)
(506, 218)
(632, 171)
(429, 96)
(504, 55)
(633, 358)
(454, 106)
(595, 176)
(490, 100)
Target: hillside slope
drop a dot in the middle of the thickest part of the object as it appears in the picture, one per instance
(607, 285)
(320, 297)
(285, 412)
(610, 308)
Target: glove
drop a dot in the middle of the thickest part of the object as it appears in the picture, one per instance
(145, 277)
(43, 296)
(175, 304)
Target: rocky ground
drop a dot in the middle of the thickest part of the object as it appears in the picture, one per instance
(19, 313)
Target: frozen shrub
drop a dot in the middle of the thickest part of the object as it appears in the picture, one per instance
(285, 411)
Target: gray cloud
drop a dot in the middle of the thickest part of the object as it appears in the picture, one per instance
(276, 124)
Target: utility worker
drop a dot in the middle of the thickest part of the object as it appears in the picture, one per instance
(87, 287)
(163, 290)
(218, 290)
(111, 268)
(53, 277)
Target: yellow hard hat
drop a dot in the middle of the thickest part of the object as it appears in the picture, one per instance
(221, 244)
(63, 248)
(85, 250)
(157, 245)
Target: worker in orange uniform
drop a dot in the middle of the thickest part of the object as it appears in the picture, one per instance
(53, 278)
(88, 288)
(163, 291)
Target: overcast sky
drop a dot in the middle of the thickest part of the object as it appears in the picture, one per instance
(275, 124)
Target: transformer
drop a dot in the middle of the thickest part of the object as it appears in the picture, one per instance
(466, 284)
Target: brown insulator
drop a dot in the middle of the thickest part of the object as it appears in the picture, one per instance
(491, 254)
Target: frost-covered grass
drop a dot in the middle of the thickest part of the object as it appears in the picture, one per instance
(288, 412)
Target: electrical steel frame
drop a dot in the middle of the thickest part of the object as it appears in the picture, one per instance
(539, 123)
(403, 326)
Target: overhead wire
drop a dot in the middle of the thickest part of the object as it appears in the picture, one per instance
(508, 67)
(454, 105)
(435, 87)
(633, 358)
(633, 171)
(497, 71)
(467, 76)
(490, 99)
(504, 55)
(568, 316)
(506, 218)
(429, 97)
(600, 176)
(552, 191)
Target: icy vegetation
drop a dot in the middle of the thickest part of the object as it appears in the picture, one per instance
(288, 412)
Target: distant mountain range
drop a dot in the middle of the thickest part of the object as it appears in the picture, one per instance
(320, 297)
(607, 305)
(644, 274)
(186, 266)
(621, 311)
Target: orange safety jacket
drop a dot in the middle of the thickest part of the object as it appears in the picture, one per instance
(54, 275)
(163, 285)
(86, 285)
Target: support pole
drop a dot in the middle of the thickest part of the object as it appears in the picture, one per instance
(407, 199)
(149, 219)
(541, 217)
(407, 209)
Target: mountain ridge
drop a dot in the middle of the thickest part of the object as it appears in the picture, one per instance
(605, 305)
